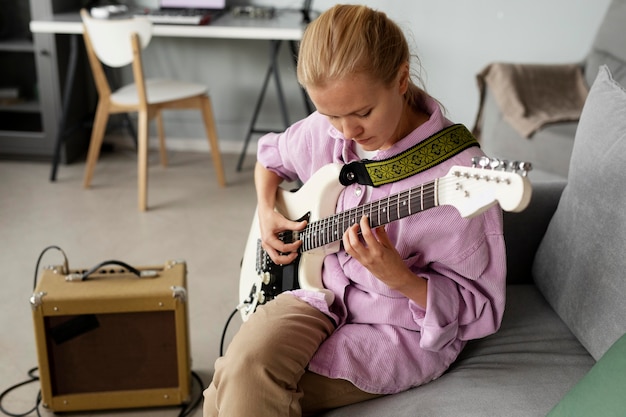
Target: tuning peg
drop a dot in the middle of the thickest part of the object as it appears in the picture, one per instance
(481, 161)
(512, 166)
(501, 164)
(495, 163)
(526, 167)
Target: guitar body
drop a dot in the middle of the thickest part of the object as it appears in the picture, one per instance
(315, 200)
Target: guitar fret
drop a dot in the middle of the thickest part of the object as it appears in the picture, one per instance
(306, 241)
(391, 211)
(328, 236)
(312, 235)
(384, 218)
(404, 207)
(396, 204)
(319, 236)
(372, 215)
(409, 209)
(329, 230)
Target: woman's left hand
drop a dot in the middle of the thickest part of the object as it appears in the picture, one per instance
(373, 249)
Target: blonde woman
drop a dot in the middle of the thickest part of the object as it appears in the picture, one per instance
(405, 297)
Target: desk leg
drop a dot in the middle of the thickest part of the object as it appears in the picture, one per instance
(67, 94)
(271, 70)
(279, 85)
(294, 53)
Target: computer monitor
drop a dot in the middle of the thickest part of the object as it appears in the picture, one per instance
(193, 4)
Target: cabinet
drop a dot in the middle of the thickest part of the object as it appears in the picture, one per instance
(32, 79)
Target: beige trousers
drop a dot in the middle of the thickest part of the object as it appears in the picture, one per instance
(263, 373)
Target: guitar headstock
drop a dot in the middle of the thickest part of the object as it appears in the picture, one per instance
(488, 181)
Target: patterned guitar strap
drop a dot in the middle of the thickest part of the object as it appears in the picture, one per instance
(437, 148)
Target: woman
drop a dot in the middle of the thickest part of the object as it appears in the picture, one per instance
(407, 296)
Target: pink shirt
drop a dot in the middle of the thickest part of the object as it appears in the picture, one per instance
(384, 342)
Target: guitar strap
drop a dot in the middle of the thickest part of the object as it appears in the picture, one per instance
(434, 150)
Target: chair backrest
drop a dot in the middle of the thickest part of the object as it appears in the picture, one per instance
(110, 38)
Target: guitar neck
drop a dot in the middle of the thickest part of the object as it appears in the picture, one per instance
(380, 212)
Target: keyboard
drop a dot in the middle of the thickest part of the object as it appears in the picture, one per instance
(180, 16)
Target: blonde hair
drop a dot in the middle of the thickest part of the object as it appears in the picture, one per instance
(349, 39)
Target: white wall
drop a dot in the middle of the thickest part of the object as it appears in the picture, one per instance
(496, 30)
(454, 40)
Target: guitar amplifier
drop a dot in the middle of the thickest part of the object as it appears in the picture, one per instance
(112, 337)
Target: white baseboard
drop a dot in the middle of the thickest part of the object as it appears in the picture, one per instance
(191, 144)
(201, 145)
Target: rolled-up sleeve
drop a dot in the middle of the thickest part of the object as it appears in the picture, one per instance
(465, 300)
(301, 150)
(439, 322)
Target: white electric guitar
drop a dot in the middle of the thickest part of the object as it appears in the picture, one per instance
(471, 190)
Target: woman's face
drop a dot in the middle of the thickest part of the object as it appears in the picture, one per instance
(367, 112)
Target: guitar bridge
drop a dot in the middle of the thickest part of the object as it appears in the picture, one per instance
(263, 260)
(272, 278)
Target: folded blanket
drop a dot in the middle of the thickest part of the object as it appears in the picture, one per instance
(533, 95)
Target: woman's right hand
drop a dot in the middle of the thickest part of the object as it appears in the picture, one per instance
(271, 225)
(271, 222)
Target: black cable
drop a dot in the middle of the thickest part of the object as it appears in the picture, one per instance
(129, 268)
(192, 406)
(184, 412)
(43, 252)
(225, 329)
(33, 378)
(31, 372)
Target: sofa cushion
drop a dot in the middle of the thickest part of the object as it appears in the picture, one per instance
(601, 391)
(580, 265)
(522, 370)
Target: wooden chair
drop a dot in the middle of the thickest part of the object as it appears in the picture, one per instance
(117, 43)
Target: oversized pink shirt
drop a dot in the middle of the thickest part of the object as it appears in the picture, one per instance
(384, 342)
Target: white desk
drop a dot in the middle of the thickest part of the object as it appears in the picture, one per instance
(286, 25)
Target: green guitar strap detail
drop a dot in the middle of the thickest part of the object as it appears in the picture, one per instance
(434, 150)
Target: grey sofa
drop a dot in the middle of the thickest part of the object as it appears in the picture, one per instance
(561, 348)
(549, 146)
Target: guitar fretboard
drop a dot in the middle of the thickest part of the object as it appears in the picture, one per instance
(380, 212)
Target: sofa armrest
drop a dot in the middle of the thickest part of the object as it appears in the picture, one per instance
(524, 231)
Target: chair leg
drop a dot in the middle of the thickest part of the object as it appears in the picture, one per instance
(209, 123)
(161, 133)
(95, 143)
(142, 160)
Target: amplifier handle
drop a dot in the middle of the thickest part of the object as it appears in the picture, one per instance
(140, 274)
